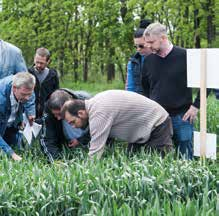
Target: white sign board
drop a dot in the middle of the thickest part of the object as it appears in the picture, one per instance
(194, 68)
(210, 145)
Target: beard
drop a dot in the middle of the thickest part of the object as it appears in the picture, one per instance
(84, 123)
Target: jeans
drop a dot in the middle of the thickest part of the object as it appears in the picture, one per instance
(183, 136)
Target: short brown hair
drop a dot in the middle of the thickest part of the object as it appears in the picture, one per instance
(43, 52)
(73, 106)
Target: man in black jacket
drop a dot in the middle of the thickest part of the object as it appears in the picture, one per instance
(46, 79)
(56, 131)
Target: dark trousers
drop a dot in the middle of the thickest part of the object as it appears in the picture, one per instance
(13, 137)
(160, 139)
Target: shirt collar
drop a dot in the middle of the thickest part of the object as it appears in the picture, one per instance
(165, 52)
(13, 99)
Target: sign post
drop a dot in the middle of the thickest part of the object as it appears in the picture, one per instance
(203, 104)
(202, 72)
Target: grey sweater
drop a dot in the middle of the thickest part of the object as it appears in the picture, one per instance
(121, 114)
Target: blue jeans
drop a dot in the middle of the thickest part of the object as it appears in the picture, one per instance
(183, 136)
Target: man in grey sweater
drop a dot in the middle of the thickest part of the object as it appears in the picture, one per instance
(124, 115)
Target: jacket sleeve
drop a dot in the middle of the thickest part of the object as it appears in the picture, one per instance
(50, 143)
(145, 81)
(20, 65)
(130, 86)
(29, 106)
(56, 81)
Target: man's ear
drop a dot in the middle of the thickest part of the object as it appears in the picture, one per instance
(81, 113)
(13, 88)
(48, 61)
(164, 37)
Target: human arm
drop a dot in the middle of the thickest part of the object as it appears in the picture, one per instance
(20, 65)
(191, 113)
(8, 150)
(145, 81)
(16, 157)
(30, 110)
(130, 79)
(73, 143)
(56, 84)
(100, 127)
(50, 138)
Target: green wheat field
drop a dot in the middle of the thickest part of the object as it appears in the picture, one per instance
(143, 184)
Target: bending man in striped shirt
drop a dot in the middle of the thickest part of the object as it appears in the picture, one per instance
(124, 115)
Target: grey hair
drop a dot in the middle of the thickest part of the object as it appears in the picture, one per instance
(43, 52)
(24, 79)
(155, 29)
(57, 99)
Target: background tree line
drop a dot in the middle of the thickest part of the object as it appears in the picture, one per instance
(91, 40)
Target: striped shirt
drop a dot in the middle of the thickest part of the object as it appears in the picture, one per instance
(121, 114)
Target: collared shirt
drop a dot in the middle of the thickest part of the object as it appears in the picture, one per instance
(14, 109)
(165, 52)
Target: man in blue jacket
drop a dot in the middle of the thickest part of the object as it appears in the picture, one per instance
(11, 59)
(12, 62)
(14, 93)
(135, 63)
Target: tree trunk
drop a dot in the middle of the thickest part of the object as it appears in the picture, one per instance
(211, 29)
(111, 66)
(196, 28)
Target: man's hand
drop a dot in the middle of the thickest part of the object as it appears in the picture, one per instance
(191, 114)
(16, 157)
(73, 143)
(31, 119)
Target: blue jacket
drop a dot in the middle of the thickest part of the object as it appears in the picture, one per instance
(5, 111)
(11, 60)
(133, 82)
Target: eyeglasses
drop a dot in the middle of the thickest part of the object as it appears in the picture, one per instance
(141, 46)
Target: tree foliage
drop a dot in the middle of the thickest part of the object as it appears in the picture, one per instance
(92, 39)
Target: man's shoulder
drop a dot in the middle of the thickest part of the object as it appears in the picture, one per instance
(53, 70)
(135, 57)
(179, 50)
(5, 88)
(31, 69)
(11, 47)
(6, 81)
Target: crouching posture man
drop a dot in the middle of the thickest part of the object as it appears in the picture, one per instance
(57, 131)
(124, 115)
(14, 93)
